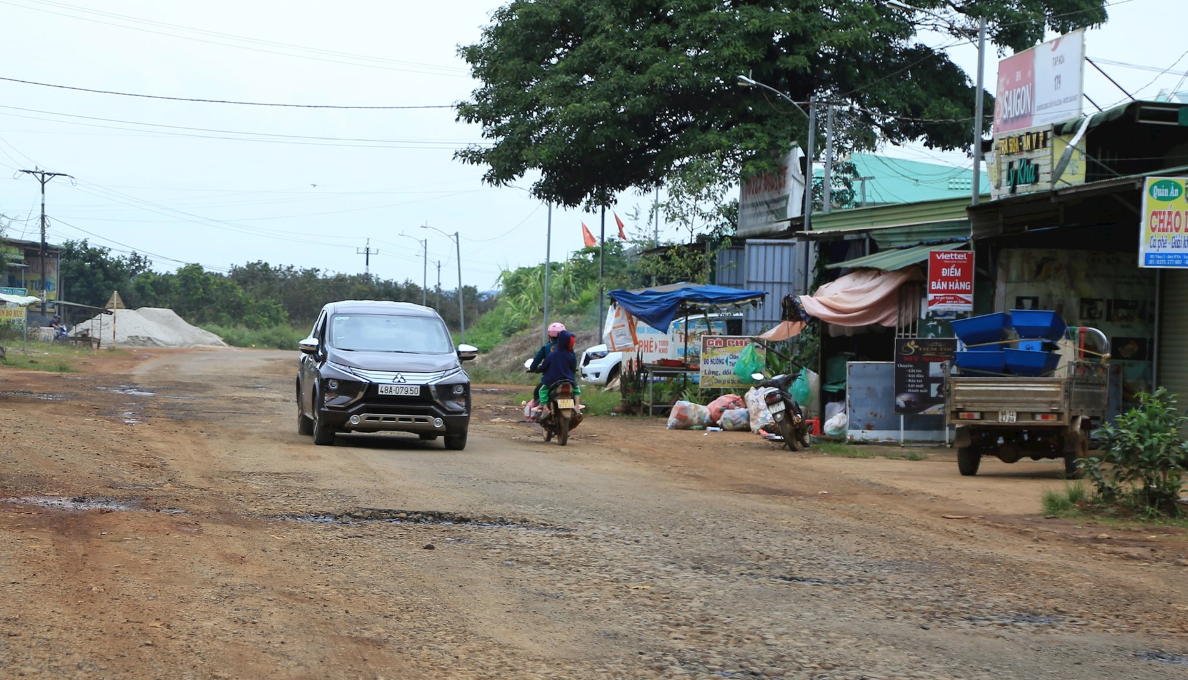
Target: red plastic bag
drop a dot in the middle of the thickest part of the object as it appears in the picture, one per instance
(725, 402)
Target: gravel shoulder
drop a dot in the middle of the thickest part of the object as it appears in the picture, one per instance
(162, 518)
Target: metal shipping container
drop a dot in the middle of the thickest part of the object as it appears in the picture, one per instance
(730, 268)
(778, 268)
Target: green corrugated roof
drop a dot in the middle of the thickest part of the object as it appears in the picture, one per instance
(898, 180)
(895, 215)
(893, 260)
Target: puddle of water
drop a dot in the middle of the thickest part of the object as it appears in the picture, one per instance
(370, 515)
(86, 503)
(33, 395)
(1164, 657)
(131, 390)
(74, 503)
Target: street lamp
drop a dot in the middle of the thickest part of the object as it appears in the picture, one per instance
(425, 270)
(747, 81)
(461, 305)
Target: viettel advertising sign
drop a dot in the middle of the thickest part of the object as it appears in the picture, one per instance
(1041, 85)
(1164, 233)
(950, 281)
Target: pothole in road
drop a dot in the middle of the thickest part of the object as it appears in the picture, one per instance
(130, 390)
(387, 516)
(33, 395)
(85, 503)
(1164, 657)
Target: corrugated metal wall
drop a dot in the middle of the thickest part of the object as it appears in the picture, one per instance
(730, 269)
(770, 266)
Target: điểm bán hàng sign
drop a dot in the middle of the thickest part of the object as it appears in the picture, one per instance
(950, 281)
(1164, 233)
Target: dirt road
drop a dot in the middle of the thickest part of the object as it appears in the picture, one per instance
(163, 519)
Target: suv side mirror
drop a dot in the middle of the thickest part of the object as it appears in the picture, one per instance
(467, 352)
(308, 346)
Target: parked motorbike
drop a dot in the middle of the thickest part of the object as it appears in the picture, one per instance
(562, 414)
(789, 417)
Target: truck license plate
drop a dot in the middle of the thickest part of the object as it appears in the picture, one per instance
(1006, 416)
(400, 390)
(776, 407)
(564, 403)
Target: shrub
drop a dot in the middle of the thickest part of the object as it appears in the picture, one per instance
(1143, 464)
(274, 337)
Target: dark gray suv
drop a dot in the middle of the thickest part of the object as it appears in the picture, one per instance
(375, 366)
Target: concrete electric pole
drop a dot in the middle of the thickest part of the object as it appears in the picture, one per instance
(367, 252)
(44, 177)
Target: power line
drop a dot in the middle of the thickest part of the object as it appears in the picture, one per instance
(316, 54)
(223, 101)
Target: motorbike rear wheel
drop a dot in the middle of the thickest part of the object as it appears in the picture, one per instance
(791, 439)
(562, 431)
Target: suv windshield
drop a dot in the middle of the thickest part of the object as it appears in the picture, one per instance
(376, 333)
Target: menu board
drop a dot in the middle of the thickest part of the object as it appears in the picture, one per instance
(919, 374)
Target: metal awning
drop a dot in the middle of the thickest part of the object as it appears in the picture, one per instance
(894, 260)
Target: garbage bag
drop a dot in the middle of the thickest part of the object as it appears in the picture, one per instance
(686, 415)
(836, 426)
(833, 408)
(724, 403)
(735, 419)
(757, 409)
(749, 362)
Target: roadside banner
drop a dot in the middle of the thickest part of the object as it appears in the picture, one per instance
(1041, 85)
(621, 334)
(12, 313)
(919, 374)
(1164, 232)
(950, 281)
(719, 354)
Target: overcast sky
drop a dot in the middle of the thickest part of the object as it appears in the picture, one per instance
(308, 187)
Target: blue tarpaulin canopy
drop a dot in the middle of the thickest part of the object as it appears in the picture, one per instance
(658, 307)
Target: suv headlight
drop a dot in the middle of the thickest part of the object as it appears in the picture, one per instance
(339, 392)
(453, 396)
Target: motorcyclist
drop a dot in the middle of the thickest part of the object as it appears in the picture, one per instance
(544, 351)
(558, 365)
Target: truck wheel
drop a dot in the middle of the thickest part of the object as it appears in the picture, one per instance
(1071, 469)
(968, 460)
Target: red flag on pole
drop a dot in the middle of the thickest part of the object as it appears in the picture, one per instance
(588, 237)
(622, 234)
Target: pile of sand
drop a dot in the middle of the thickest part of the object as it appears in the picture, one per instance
(147, 327)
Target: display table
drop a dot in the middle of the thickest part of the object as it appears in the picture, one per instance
(653, 371)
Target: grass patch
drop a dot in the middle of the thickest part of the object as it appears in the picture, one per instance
(848, 451)
(275, 337)
(52, 358)
(1066, 501)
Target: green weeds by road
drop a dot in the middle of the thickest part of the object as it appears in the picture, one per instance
(847, 451)
(273, 337)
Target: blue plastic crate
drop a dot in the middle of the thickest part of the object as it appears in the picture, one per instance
(978, 330)
(1024, 362)
(981, 362)
(1037, 323)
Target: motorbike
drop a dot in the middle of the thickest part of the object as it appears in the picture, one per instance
(790, 418)
(562, 414)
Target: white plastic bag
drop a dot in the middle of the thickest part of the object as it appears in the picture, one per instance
(757, 409)
(735, 419)
(836, 426)
(687, 415)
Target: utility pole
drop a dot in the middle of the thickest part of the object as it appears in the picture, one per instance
(438, 306)
(827, 202)
(461, 291)
(808, 163)
(367, 253)
(43, 177)
(601, 292)
(425, 268)
(977, 141)
(656, 228)
(548, 270)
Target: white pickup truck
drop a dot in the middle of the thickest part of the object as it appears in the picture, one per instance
(598, 366)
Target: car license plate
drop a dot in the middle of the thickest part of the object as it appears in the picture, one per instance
(1006, 416)
(776, 407)
(564, 403)
(400, 390)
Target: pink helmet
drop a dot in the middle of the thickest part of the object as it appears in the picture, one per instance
(555, 328)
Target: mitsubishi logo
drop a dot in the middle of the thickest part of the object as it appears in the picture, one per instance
(399, 378)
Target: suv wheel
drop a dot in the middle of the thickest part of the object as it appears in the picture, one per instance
(304, 423)
(455, 442)
(323, 434)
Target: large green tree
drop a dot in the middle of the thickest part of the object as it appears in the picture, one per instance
(599, 96)
(90, 274)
